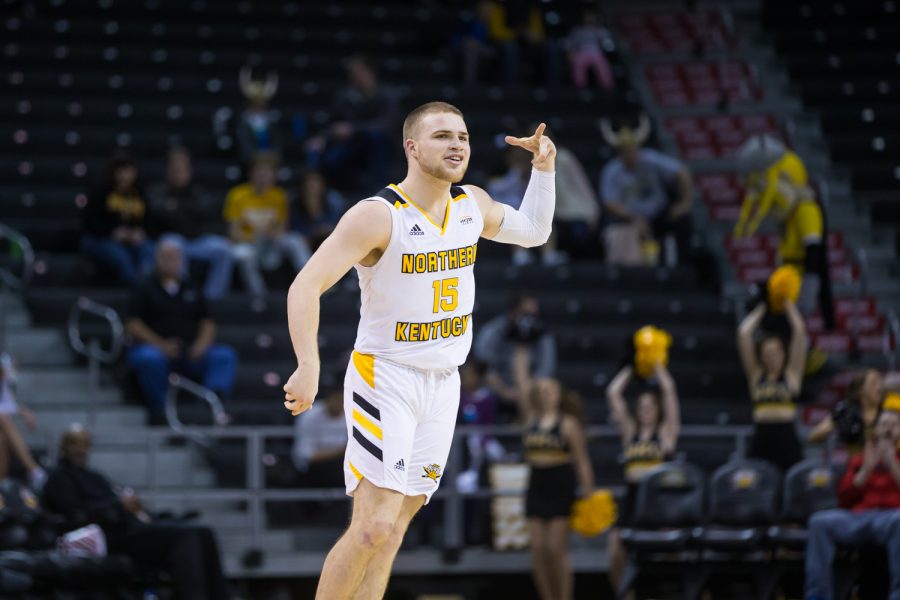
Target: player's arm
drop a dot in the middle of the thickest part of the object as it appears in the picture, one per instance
(574, 434)
(532, 223)
(361, 234)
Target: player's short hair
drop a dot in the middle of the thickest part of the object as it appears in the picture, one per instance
(413, 118)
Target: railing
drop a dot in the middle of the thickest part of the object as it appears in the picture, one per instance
(179, 382)
(10, 281)
(92, 349)
(255, 493)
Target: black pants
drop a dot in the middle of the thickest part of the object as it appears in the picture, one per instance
(679, 228)
(188, 552)
(777, 443)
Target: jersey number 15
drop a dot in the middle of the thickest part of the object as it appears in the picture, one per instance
(446, 296)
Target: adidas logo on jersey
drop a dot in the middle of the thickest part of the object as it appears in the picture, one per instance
(416, 230)
(400, 466)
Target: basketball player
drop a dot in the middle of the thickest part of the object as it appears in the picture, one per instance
(414, 247)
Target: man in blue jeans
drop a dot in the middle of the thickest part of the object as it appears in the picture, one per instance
(869, 494)
(183, 211)
(173, 331)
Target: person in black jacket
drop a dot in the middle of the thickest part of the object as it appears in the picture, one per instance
(115, 235)
(188, 552)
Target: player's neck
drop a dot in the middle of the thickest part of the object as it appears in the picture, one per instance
(426, 191)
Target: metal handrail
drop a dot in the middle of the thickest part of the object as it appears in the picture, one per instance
(179, 382)
(21, 282)
(92, 349)
(891, 327)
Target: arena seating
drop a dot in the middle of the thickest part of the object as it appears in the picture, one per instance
(843, 58)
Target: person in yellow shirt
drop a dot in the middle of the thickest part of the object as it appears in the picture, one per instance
(257, 217)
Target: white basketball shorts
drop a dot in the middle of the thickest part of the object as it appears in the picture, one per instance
(400, 424)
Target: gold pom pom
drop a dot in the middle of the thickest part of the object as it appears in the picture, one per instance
(593, 515)
(891, 402)
(651, 346)
(783, 285)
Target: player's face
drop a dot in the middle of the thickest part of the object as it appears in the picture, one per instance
(441, 146)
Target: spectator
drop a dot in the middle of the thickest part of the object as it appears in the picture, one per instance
(556, 451)
(585, 45)
(577, 210)
(499, 337)
(774, 376)
(649, 437)
(188, 552)
(854, 418)
(634, 189)
(257, 216)
(358, 140)
(173, 331)
(516, 28)
(320, 441)
(869, 513)
(317, 209)
(477, 406)
(472, 42)
(184, 212)
(509, 189)
(257, 128)
(10, 436)
(115, 221)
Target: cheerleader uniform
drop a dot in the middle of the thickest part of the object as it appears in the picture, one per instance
(639, 457)
(776, 442)
(551, 487)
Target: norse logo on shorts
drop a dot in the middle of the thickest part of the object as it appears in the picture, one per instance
(432, 472)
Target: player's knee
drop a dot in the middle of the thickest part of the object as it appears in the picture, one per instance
(373, 534)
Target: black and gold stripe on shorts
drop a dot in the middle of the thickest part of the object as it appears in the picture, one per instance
(369, 418)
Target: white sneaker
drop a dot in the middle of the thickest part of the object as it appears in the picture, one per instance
(554, 258)
(521, 257)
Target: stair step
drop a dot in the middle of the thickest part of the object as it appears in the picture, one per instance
(39, 347)
(113, 417)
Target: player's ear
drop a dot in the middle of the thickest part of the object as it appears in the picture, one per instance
(410, 146)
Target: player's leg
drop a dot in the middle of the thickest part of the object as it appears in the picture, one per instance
(540, 561)
(617, 558)
(375, 511)
(375, 581)
(557, 544)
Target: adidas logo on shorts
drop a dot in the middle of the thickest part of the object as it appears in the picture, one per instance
(416, 230)
(400, 466)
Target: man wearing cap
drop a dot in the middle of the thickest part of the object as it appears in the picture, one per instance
(635, 189)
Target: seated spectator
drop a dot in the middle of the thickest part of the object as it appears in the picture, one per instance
(869, 513)
(577, 208)
(516, 28)
(634, 190)
(10, 437)
(317, 208)
(185, 212)
(649, 436)
(115, 222)
(520, 326)
(509, 189)
(188, 552)
(774, 377)
(853, 418)
(257, 216)
(585, 44)
(359, 139)
(477, 406)
(257, 127)
(471, 41)
(320, 441)
(173, 331)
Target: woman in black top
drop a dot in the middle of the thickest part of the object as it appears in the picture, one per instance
(556, 450)
(649, 437)
(115, 236)
(853, 418)
(774, 376)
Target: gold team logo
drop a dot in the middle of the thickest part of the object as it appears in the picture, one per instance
(432, 472)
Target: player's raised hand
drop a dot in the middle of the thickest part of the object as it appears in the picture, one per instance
(301, 389)
(541, 147)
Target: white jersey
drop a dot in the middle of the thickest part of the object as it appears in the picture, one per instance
(417, 300)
